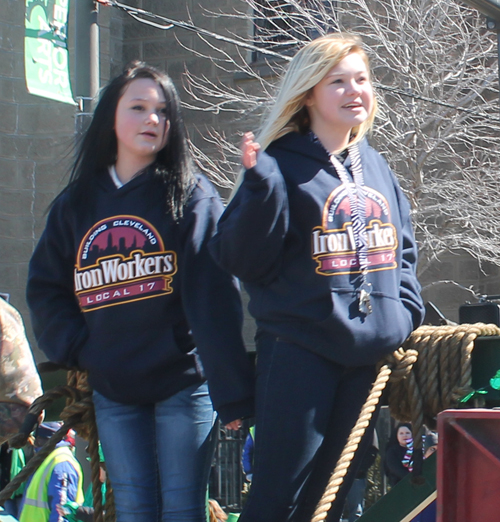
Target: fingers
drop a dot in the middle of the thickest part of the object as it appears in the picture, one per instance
(249, 149)
(234, 425)
(248, 137)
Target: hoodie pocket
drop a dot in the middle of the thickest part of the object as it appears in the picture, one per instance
(356, 339)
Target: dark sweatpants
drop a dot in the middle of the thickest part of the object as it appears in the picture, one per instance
(306, 407)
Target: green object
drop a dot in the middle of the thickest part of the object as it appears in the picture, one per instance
(101, 454)
(473, 394)
(72, 507)
(495, 381)
(70, 511)
(17, 464)
(404, 497)
(46, 56)
(233, 517)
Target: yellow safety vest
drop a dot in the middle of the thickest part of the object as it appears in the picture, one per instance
(36, 503)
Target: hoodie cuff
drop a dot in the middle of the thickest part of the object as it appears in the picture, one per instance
(236, 410)
(265, 167)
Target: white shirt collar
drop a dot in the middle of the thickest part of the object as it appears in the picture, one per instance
(114, 177)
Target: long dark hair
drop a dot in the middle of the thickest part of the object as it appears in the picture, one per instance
(98, 148)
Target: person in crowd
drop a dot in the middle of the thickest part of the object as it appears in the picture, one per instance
(75, 512)
(429, 514)
(20, 385)
(58, 479)
(430, 443)
(398, 453)
(122, 285)
(247, 454)
(319, 231)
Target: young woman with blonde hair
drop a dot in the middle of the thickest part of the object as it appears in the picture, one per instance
(320, 233)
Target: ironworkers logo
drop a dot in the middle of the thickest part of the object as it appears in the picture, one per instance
(333, 246)
(122, 259)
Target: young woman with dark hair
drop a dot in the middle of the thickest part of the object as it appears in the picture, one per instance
(99, 148)
(121, 284)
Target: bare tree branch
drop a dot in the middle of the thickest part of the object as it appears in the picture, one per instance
(421, 50)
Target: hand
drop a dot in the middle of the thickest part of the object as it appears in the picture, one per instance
(234, 425)
(249, 149)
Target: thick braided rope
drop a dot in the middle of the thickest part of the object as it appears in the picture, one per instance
(21, 439)
(87, 428)
(441, 376)
(350, 448)
(444, 380)
(32, 465)
(79, 415)
(93, 450)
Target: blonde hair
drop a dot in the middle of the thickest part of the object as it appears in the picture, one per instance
(216, 513)
(306, 69)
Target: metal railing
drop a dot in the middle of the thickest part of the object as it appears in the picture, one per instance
(227, 478)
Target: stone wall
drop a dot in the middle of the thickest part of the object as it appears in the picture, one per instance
(37, 136)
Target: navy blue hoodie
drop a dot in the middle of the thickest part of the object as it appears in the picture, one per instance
(287, 235)
(122, 290)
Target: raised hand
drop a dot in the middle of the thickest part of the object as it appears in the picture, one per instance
(249, 149)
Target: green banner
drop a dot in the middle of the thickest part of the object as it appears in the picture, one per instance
(46, 57)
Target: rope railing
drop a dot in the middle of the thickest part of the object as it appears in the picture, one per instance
(431, 372)
(79, 415)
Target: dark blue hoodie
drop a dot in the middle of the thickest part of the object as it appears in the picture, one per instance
(287, 235)
(123, 291)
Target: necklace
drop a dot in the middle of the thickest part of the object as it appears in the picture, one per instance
(356, 194)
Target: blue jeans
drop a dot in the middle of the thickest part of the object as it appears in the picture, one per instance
(158, 456)
(306, 406)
